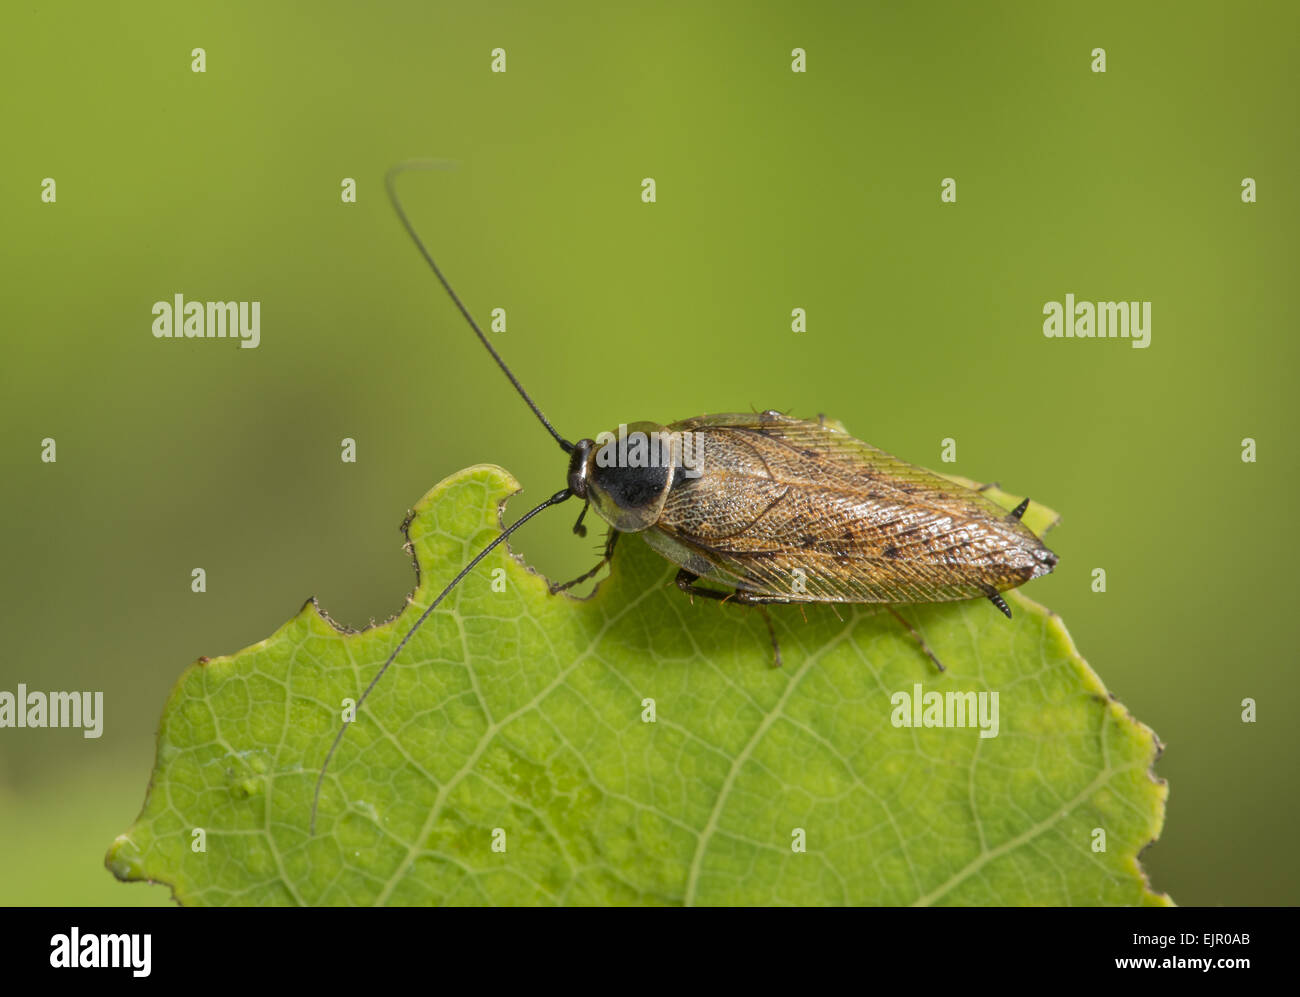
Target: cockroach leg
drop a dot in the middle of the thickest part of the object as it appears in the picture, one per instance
(686, 582)
(771, 632)
(1019, 511)
(578, 528)
(917, 637)
(609, 553)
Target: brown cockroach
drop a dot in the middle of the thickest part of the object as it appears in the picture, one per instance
(777, 509)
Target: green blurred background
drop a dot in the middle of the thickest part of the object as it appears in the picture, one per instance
(775, 190)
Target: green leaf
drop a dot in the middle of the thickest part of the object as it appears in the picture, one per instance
(520, 711)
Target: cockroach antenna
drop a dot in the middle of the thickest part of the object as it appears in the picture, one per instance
(555, 499)
(561, 496)
(390, 181)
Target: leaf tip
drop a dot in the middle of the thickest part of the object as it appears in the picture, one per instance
(124, 859)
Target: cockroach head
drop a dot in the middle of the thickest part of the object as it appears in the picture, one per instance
(578, 467)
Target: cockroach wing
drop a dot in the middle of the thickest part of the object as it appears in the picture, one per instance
(801, 511)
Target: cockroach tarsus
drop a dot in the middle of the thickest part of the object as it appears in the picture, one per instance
(778, 510)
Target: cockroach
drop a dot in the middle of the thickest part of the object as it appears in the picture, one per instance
(774, 508)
